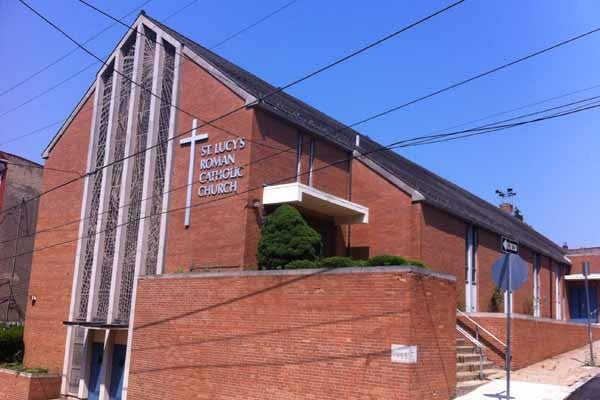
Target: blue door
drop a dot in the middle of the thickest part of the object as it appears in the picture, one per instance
(95, 371)
(577, 303)
(116, 376)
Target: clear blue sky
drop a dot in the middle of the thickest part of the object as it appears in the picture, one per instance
(554, 166)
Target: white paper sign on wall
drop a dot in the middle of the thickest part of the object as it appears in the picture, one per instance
(404, 354)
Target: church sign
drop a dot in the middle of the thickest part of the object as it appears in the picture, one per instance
(219, 172)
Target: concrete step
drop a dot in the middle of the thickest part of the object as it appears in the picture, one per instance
(464, 376)
(473, 366)
(465, 349)
(470, 357)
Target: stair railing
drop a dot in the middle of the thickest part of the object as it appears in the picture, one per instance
(478, 345)
(480, 327)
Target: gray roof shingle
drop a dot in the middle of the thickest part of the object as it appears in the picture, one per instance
(437, 191)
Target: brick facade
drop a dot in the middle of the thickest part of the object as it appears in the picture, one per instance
(533, 339)
(579, 256)
(303, 334)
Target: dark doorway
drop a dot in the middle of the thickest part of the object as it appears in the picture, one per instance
(577, 309)
(116, 376)
(95, 371)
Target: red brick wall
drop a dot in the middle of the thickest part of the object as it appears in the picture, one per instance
(14, 386)
(335, 178)
(443, 246)
(52, 269)
(300, 335)
(392, 217)
(577, 263)
(532, 339)
(200, 94)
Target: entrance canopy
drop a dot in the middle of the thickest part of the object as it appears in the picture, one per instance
(342, 211)
(580, 277)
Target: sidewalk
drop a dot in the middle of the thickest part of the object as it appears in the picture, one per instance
(551, 379)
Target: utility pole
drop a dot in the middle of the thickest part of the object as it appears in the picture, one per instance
(586, 272)
(11, 296)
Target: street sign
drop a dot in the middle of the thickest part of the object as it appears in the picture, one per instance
(518, 272)
(509, 246)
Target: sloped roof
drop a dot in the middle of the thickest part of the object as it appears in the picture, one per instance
(436, 190)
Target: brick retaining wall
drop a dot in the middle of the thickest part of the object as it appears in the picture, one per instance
(294, 335)
(25, 386)
(532, 339)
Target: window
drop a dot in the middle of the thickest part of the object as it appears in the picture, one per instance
(536, 285)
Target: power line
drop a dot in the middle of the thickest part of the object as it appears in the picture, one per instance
(430, 136)
(48, 90)
(423, 139)
(235, 110)
(174, 13)
(285, 150)
(398, 144)
(33, 132)
(119, 21)
(59, 59)
(478, 76)
(252, 25)
(528, 105)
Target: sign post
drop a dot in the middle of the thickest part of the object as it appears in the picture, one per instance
(508, 312)
(509, 272)
(586, 272)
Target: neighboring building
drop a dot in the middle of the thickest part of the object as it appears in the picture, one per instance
(575, 283)
(20, 179)
(277, 150)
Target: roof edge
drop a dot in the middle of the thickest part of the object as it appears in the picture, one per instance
(373, 165)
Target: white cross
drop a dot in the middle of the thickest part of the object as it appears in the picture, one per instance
(191, 140)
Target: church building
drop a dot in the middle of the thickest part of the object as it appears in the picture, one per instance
(185, 154)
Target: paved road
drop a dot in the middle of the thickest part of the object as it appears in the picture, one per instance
(589, 391)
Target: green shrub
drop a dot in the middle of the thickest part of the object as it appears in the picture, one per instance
(385, 260)
(11, 344)
(360, 263)
(286, 237)
(337, 262)
(17, 366)
(417, 263)
(301, 264)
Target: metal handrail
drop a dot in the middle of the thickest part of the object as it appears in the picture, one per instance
(477, 344)
(481, 327)
(470, 338)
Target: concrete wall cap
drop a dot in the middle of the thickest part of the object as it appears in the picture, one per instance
(28, 374)
(315, 271)
(524, 317)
